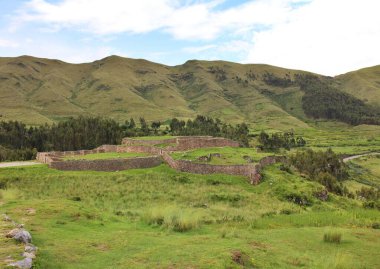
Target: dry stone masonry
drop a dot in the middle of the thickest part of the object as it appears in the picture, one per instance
(158, 154)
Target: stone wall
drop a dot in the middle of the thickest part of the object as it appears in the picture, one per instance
(140, 149)
(253, 172)
(107, 165)
(184, 142)
(52, 156)
(201, 168)
(187, 143)
(108, 148)
(130, 141)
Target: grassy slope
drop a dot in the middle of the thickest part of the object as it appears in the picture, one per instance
(38, 90)
(108, 227)
(363, 83)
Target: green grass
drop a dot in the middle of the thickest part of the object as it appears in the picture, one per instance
(332, 237)
(228, 155)
(159, 218)
(108, 155)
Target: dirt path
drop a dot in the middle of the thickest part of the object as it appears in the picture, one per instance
(358, 156)
(12, 164)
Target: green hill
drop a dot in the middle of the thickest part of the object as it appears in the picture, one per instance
(36, 90)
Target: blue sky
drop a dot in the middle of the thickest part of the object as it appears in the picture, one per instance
(324, 36)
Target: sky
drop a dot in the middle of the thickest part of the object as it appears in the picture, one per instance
(328, 37)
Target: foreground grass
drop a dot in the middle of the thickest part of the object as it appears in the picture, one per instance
(108, 155)
(159, 218)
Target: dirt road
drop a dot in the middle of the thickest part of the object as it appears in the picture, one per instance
(358, 156)
(12, 164)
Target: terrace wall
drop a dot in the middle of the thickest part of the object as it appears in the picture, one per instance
(185, 142)
(107, 165)
(131, 142)
(140, 149)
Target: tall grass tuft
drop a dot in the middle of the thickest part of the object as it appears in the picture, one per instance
(332, 237)
(173, 218)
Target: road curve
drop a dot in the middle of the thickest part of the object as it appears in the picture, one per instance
(360, 155)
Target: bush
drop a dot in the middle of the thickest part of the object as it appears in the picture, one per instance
(332, 237)
(371, 205)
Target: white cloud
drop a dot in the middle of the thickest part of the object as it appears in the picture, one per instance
(198, 49)
(191, 20)
(327, 37)
(323, 36)
(8, 43)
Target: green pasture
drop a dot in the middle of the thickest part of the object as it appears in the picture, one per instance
(160, 218)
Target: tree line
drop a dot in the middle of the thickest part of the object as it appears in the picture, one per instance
(276, 141)
(20, 142)
(203, 125)
(322, 100)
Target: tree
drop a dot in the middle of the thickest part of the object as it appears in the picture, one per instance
(155, 126)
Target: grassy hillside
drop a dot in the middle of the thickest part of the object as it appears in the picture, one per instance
(36, 91)
(363, 84)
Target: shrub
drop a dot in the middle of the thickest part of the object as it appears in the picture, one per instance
(371, 205)
(332, 237)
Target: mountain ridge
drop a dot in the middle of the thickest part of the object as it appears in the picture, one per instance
(37, 90)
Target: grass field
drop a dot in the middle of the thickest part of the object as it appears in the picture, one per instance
(160, 218)
(228, 155)
(108, 155)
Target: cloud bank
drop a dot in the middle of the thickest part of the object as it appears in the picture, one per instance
(323, 36)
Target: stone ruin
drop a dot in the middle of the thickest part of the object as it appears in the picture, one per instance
(159, 151)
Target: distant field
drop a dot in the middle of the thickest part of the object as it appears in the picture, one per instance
(108, 155)
(228, 155)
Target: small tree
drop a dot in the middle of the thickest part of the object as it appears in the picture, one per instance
(155, 126)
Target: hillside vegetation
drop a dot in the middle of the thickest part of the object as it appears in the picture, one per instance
(36, 91)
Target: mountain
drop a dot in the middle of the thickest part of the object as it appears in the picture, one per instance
(36, 90)
(363, 84)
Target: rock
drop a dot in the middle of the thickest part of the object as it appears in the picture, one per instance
(20, 226)
(248, 158)
(204, 158)
(29, 255)
(255, 179)
(322, 195)
(23, 236)
(217, 155)
(30, 211)
(30, 248)
(6, 218)
(13, 232)
(23, 264)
